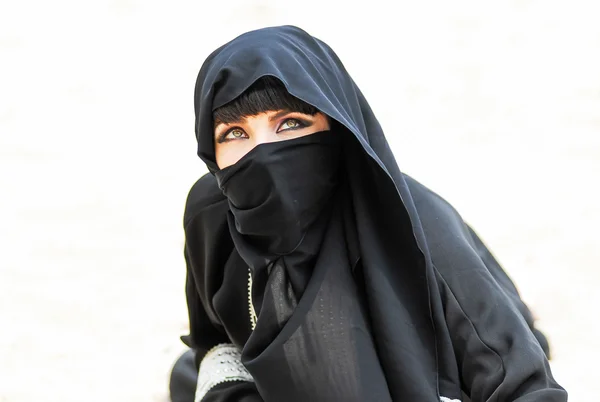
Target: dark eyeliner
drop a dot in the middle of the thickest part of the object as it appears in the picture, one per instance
(221, 138)
(303, 124)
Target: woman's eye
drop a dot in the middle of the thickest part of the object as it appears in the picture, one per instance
(291, 123)
(234, 134)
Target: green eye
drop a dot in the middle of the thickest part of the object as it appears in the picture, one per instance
(291, 123)
(231, 135)
(236, 133)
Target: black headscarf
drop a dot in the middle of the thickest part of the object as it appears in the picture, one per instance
(395, 297)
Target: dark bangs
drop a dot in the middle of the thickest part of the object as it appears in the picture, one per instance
(266, 94)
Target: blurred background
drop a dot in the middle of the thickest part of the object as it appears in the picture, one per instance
(496, 106)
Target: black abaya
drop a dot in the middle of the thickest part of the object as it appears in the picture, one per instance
(402, 300)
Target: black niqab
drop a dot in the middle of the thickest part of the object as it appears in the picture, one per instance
(277, 190)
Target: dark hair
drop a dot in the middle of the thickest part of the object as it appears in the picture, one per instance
(266, 94)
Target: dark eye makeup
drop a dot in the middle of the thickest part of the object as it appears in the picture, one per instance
(300, 123)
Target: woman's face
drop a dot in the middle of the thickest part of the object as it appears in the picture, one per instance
(236, 139)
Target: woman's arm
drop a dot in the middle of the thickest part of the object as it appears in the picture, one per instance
(498, 356)
(508, 286)
(221, 376)
(491, 329)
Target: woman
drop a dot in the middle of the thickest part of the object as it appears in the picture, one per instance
(316, 269)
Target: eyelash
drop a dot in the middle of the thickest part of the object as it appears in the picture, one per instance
(301, 124)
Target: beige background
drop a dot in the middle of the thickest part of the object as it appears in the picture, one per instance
(495, 106)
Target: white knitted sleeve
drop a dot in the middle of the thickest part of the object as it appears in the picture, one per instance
(221, 364)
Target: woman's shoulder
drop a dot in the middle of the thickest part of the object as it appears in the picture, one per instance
(204, 196)
(432, 208)
(449, 238)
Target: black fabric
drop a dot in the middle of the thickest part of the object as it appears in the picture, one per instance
(278, 190)
(184, 377)
(427, 312)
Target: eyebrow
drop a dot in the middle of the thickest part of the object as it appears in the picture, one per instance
(276, 116)
(280, 113)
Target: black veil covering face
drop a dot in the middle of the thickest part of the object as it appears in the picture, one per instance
(389, 295)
